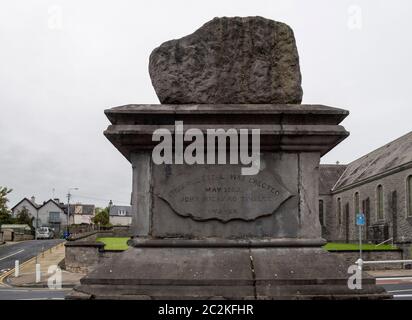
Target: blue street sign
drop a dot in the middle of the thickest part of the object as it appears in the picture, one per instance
(360, 219)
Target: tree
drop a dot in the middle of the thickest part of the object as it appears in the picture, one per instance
(5, 215)
(23, 217)
(101, 217)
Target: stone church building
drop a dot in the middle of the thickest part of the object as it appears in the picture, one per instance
(378, 184)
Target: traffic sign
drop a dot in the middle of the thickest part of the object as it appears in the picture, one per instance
(360, 219)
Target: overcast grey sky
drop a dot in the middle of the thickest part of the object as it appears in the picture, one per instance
(63, 62)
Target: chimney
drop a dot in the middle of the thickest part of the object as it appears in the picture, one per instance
(57, 200)
(33, 199)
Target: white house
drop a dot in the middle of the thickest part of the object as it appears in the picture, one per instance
(120, 215)
(30, 205)
(81, 213)
(50, 214)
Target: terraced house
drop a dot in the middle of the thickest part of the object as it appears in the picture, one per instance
(378, 184)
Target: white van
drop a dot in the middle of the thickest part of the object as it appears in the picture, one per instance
(45, 233)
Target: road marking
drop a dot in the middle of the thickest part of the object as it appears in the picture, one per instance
(10, 255)
(403, 290)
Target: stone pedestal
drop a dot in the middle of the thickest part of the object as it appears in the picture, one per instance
(206, 231)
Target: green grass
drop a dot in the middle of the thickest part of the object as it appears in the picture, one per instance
(355, 247)
(113, 243)
(120, 244)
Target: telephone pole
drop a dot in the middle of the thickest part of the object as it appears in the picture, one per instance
(68, 208)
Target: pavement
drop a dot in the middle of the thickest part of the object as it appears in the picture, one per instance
(25, 287)
(396, 282)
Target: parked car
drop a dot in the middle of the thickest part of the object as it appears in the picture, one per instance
(45, 233)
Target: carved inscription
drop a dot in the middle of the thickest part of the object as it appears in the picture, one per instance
(223, 194)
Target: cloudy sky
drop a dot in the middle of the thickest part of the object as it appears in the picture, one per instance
(63, 62)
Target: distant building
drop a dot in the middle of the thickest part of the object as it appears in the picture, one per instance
(120, 215)
(379, 185)
(49, 214)
(81, 213)
(328, 175)
(53, 213)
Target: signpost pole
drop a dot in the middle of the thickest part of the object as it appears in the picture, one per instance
(360, 242)
(360, 221)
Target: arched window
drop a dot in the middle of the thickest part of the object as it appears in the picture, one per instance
(379, 202)
(356, 203)
(339, 211)
(321, 213)
(409, 196)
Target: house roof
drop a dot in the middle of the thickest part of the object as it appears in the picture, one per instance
(114, 211)
(37, 206)
(328, 175)
(34, 205)
(391, 156)
(59, 205)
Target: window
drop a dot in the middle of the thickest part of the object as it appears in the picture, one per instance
(54, 217)
(379, 202)
(356, 203)
(339, 211)
(321, 214)
(121, 212)
(409, 196)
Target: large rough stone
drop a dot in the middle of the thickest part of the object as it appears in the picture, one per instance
(229, 60)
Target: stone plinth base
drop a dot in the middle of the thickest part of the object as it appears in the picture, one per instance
(224, 269)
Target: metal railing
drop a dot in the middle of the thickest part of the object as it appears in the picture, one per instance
(361, 262)
(390, 239)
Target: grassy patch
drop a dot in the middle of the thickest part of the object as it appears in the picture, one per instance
(119, 244)
(355, 247)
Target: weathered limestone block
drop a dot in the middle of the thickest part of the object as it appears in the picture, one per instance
(229, 60)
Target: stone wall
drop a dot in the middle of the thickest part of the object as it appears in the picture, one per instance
(83, 253)
(352, 256)
(8, 235)
(22, 237)
(84, 257)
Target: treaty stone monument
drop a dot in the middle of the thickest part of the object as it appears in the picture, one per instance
(205, 231)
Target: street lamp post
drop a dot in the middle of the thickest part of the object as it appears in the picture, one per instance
(68, 208)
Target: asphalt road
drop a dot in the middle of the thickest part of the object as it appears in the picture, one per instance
(400, 288)
(23, 251)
